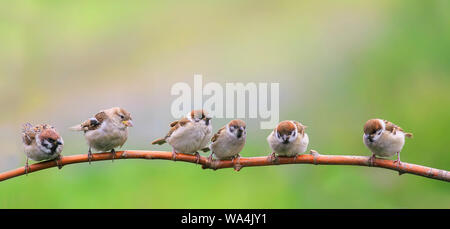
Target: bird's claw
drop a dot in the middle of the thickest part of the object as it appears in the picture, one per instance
(371, 160)
(27, 168)
(211, 162)
(399, 163)
(273, 158)
(237, 166)
(113, 152)
(89, 155)
(197, 155)
(58, 161)
(174, 156)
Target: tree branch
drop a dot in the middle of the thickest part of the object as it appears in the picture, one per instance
(313, 158)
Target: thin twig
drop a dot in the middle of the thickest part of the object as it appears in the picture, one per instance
(313, 158)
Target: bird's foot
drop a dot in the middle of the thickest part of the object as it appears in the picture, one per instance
(399, 163)
(89, 155)
(295, 157)
(197, 156)
(174, 155)
(27, 168)
(211, 162)
(113, 152)
(371, 160)
(237, 166)
(58, 161)
(273, 158)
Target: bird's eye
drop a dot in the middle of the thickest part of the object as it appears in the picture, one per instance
(379, 133)
(122, 117)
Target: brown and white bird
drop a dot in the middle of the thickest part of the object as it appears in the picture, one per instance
(189, 134)
(229, 141)
(42, 142)
(384, 138)
(288, 139)
(107, 130)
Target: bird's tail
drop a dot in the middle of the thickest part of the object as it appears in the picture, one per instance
(408, 135)
(159, 141)
(76, 128)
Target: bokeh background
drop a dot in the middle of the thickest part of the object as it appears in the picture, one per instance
(338, 63)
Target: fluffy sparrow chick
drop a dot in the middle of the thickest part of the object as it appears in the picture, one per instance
(107, 130)
(41, 142)
(288, 139)
(228, 142)
(189, 134)
(384, 139)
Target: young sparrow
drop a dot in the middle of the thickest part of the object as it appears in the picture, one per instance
(288, 139)
(228, 142)
(384, 139)
(189, 134)
(106, 130)
(41, 142)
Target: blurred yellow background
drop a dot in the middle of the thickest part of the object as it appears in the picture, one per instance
(339, 63)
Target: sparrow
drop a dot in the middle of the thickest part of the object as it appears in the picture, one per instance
(189, 134)
(107, 130)
(228, 142)
(288, 139)
(42, 142)
(384, 139)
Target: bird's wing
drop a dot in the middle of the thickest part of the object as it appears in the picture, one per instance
(391, 127)
(174, 126)
(300, 128)
(28, 134)
(178, 124)
(95, 122)
(216, 136)
(174, 123)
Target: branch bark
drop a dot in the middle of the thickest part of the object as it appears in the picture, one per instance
(313, 158)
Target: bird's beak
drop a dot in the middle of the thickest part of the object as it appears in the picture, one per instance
(239, 133)
(285, 139)
(128, 123)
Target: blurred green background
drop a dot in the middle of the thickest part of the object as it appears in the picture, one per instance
(339, 63)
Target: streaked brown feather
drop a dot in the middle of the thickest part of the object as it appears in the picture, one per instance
(174, 123)
(178, 124)
(300, 127)
(391, 127)
(216, 136)
(29, 132)
(89, 125)
(174, 126)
